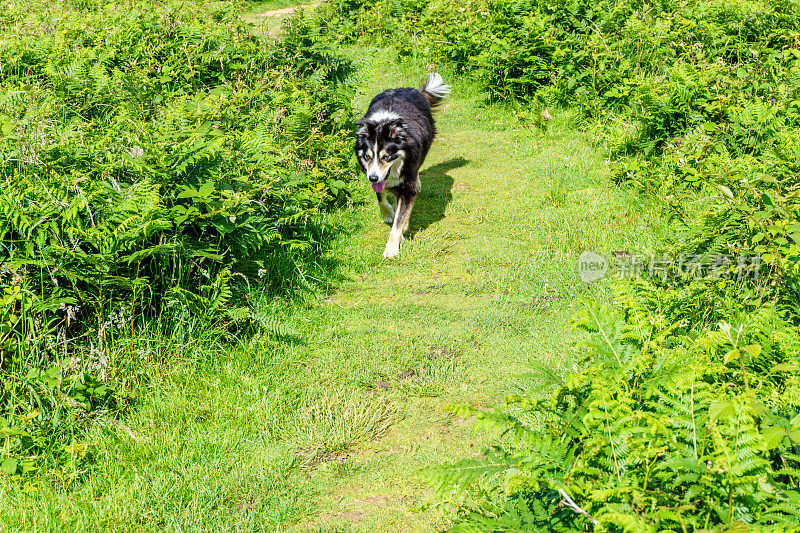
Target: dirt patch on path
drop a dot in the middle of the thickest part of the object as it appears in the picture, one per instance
(268, 23)
(283, 11)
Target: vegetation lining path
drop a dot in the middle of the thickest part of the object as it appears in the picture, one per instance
(324, 423)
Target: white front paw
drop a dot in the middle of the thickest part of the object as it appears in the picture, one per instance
(392, 249)
(389, 219)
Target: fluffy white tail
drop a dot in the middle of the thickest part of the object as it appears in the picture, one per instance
(435, 88)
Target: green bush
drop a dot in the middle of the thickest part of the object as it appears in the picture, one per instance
(153, 158)
(662, 428)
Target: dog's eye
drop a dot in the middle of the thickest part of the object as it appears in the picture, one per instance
(386, 158)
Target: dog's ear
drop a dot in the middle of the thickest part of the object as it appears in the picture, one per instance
(362, 127)
(397, 129)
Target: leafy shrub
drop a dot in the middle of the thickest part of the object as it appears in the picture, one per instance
(152, 158)
(658, 430)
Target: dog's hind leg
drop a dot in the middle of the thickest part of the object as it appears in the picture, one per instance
(405, 203)
(387, 211)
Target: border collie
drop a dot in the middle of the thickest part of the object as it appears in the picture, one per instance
(392, 141)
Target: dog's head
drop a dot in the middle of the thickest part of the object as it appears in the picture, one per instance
(380, 147)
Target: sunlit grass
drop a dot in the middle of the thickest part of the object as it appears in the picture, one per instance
(324, 423)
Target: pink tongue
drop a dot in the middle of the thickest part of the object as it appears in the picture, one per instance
(378, 187)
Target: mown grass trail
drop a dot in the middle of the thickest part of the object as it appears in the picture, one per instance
(268, 17)
(487, 283)
(323, 423)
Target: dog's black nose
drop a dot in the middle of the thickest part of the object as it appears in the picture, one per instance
(372, 178)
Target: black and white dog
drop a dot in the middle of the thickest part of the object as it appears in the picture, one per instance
(392, 141)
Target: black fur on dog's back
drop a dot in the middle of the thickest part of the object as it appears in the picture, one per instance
(414, 107)
(417, 127)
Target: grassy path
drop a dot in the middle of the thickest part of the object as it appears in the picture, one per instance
(268, 16)
(487, 283)
(324, 424)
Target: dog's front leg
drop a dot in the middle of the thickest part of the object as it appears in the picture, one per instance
(405, 202)
(387, 211)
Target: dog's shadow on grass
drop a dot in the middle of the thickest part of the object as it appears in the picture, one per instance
(436, 193)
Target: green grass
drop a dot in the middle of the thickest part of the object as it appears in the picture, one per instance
(324, 424)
